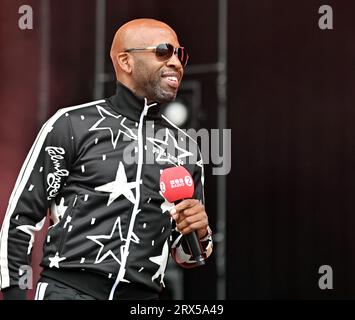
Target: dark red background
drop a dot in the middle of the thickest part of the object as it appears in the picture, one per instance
(290, 107)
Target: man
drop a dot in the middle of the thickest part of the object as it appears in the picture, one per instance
(111, 228)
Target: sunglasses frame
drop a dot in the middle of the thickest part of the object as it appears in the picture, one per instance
(168, 54)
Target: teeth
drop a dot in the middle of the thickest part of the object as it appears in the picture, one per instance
(173, 79)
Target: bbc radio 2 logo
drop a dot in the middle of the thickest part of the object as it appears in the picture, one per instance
(177, 183)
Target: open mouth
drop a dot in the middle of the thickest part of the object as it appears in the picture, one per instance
(172, 81)
(171, 78)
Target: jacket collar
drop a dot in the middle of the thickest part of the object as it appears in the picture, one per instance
(125, 102)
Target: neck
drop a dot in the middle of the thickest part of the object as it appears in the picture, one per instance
(130, 105)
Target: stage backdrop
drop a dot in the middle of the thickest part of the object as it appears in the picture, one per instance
(290, 107)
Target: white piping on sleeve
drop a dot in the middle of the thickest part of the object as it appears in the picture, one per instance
(20, 184)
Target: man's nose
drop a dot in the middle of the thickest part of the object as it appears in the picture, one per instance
(174, 62)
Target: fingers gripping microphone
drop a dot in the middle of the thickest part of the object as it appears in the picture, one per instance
(176, 184)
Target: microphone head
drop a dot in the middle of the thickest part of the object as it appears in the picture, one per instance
(176, 183)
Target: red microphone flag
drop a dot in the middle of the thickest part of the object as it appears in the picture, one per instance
(176, 183)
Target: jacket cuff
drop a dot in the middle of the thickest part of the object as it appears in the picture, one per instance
(207, 243)
(208, 236)
(14, 293)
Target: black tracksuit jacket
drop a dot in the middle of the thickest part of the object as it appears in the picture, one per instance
(95, 169)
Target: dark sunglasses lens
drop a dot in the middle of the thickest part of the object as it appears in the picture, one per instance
(183, 56)
(164, 50)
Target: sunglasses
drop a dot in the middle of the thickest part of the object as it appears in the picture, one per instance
(165, 51)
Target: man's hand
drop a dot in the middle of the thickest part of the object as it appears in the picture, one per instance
(190, 215)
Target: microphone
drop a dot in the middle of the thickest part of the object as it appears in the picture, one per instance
(176, 184)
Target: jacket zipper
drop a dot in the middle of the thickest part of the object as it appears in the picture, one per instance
(135, 212)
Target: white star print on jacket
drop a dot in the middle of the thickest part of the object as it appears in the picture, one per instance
(109, 220)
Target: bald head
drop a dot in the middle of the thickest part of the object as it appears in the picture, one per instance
(137, 33)
(140, 69)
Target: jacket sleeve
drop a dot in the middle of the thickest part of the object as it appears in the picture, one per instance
(42, 175)
(179, 249)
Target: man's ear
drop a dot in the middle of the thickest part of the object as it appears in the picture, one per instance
(125, 62)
